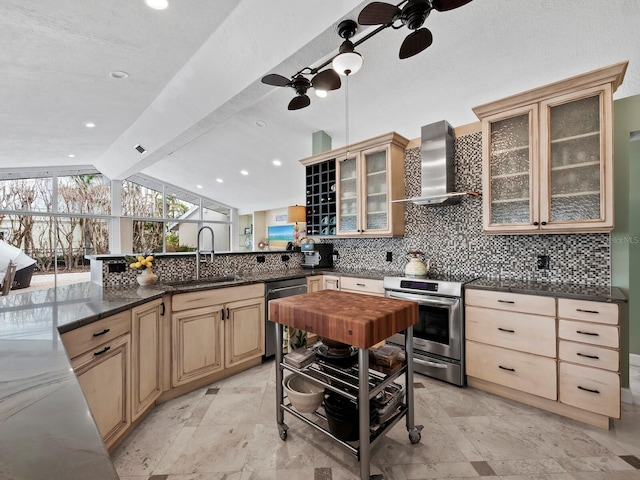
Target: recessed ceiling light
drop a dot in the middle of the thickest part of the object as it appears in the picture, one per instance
(90, 125)
(244, 172)
(277, 162)
(219, 180)
(119, 75)
(198, 186)
(158, 4)
(261, 123)
(71, 155)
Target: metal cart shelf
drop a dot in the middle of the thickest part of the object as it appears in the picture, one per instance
(361, 388)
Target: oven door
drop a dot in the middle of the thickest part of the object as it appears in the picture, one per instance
(439, 327)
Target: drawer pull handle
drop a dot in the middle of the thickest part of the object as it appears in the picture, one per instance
(222, 313)
(106, 330)
(595, 357)
(507, 368)
(593, 334)
(586, 311)
(104, 350)
(361, 284)
(588, 389)
(228, 314)
(506, 330)
(506, 301)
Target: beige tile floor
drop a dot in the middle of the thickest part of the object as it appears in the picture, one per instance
(227, 431)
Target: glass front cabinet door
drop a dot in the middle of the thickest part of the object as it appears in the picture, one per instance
(547, 157)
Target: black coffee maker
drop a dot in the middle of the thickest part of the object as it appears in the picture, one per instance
(317, 255)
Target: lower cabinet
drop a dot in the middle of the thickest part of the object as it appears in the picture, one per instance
(314, 283)
(362, 285)
(213, 330)
(330, 282)
(553, 353)
(103, 374)
(146, 355)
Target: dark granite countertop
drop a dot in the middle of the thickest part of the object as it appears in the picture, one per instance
(43, 413)
(565, 290)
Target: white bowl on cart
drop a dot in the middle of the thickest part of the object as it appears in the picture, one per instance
(304, 394)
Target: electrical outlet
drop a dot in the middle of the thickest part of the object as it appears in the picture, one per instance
(260, 259)
(543, 262)
(284, 258)
(117, 267)
(389, 256)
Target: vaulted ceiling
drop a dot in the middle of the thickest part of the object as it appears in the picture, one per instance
(193, 97)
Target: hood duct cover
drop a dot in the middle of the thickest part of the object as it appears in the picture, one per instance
(437, 167)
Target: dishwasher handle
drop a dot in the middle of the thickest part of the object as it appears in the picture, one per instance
(278, 292)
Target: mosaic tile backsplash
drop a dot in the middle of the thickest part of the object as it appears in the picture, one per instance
(450, 237)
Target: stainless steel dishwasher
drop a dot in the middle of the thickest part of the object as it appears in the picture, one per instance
(278, 289)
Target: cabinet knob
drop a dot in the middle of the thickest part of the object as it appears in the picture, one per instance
(536, 223)
(543, 223)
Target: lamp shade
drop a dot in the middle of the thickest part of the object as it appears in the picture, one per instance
(296, 214)
(347, 63)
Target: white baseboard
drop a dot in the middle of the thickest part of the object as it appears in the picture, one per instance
(626, 396)
(634, 360)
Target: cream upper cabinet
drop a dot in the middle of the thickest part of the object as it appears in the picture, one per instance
(369, 175)
(547, 157)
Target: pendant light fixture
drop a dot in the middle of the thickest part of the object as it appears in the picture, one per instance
(348, 61)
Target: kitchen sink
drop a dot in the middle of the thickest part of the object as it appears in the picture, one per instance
(205, 281)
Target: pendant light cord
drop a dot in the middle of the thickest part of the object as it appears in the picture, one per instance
(346, 111)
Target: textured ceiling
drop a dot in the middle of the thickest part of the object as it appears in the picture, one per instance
(193, 94)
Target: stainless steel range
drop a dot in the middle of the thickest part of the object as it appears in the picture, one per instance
(438, 337)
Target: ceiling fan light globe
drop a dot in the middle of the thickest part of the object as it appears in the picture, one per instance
(347, 63)
(321, 93)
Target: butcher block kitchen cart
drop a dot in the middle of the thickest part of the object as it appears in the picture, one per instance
(361, 321)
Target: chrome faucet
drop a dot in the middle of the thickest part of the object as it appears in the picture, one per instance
(198, 249)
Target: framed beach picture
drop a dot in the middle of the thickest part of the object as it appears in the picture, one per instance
(280, 235)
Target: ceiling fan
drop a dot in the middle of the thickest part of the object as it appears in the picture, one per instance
(413, 15)
(325, 80)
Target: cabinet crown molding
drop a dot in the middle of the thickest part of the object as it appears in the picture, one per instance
(391, 138)
(613, 74)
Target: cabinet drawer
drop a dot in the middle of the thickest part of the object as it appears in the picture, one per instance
(517, 331)
(521, 371)
(90, 336)
(592, 333)
(215, 296)
(590, 389)
(589, 355)
(362, 285)
(515, 302)
(587, 311)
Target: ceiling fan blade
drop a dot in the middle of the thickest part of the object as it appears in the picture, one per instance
(276, 80)
(378, 13)
(415, 43)
(326, 80)
(444, 5)
(299, 102)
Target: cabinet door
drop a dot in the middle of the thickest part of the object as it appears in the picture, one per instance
(575, 160)
(509, 173)
(348, 205)
(375, 191)
(244, 331)
(146, 355)
(197, 347)
(314, 284)
(103, 374)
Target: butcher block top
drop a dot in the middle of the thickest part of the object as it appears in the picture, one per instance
(352, 318)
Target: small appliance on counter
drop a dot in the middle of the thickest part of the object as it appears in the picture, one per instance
(317, 255)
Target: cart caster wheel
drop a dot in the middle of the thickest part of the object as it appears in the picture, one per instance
(414, 437)
(283, 435)
(282, 431)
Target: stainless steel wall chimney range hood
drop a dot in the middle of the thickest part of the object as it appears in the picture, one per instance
(437, 167)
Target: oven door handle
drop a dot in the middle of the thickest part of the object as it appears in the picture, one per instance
(429, 364)
(422, 299)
